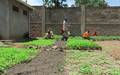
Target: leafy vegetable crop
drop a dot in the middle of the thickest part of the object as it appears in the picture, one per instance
(40, 42)
(76, 37)
(12, 56)
(81, 43)
(104, 37)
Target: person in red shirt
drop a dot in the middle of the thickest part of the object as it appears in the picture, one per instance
(94, 34)
(86, 36)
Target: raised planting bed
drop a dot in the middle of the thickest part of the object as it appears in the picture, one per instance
(40, 42)
(82, 45)
(104, 38)
(11, 56)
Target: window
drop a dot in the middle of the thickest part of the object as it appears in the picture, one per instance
(15, 8)
(25, 12)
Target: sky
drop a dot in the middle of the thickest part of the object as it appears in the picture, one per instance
(70, 2)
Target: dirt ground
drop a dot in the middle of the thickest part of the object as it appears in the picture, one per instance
(113, 47)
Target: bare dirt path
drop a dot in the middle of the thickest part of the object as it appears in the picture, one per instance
(113, 47)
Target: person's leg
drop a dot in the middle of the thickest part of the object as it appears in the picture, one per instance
(66, 38)
(63, 37)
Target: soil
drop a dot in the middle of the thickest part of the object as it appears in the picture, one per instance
(113, 47)
(46, 63)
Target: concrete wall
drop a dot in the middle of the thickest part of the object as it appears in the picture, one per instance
(36, 22)
(54, 19)
(104, 20)
(4, 18)
(19, 23)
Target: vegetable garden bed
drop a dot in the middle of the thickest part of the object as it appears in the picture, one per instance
(105, 38)
(40, 42)
(11, 56)
(82, 45)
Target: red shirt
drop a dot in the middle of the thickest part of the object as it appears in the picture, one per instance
(93, 34)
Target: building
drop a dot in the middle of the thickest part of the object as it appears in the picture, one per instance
(14, 19)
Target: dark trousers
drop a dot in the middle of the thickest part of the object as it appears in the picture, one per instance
(87, 37)
(64, 37)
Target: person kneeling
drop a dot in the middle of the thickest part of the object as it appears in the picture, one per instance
(94, 34)
(49, 35)
(86, 36)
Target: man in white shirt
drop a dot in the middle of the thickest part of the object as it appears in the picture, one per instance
(65, 28)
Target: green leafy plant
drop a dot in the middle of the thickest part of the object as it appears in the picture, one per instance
(81, 43)
(104, 37)
(12, 56)
(40, 42)
(86, 68)
(74, 66)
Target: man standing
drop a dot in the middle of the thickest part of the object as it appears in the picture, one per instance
(65, 28)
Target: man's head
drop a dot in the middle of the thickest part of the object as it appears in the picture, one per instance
(65, 19)
(48, 31)
(95, 32)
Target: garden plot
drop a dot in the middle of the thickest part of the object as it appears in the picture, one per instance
(91, 63)
(105, 38)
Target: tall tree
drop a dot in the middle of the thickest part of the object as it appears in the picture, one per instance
(55, 3)
(90, 3)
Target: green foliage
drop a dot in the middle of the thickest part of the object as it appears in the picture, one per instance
(90, 3)
(99, 71)
(55, 3)
(81, 43)
(56, 36)
(86, 68)
(103, 56)
(40, 42)
(74, 66)
(12, 56)
(78, 55)
(76, 37)
(104, 37)
(114, 71)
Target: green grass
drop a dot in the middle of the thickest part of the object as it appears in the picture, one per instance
(81, 43)
(40, 42)
(12, 56)
(104, 37)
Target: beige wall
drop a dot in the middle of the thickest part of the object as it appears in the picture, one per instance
(4, 18)
(19, 23)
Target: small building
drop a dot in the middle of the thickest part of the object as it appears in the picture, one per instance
(14, 19)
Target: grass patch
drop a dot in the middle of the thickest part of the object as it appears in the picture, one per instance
(104, 37)
(40, 42)
(81, 43)
(12, 56)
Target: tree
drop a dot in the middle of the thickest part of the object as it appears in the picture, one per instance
(90, 3)
(55, 3)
